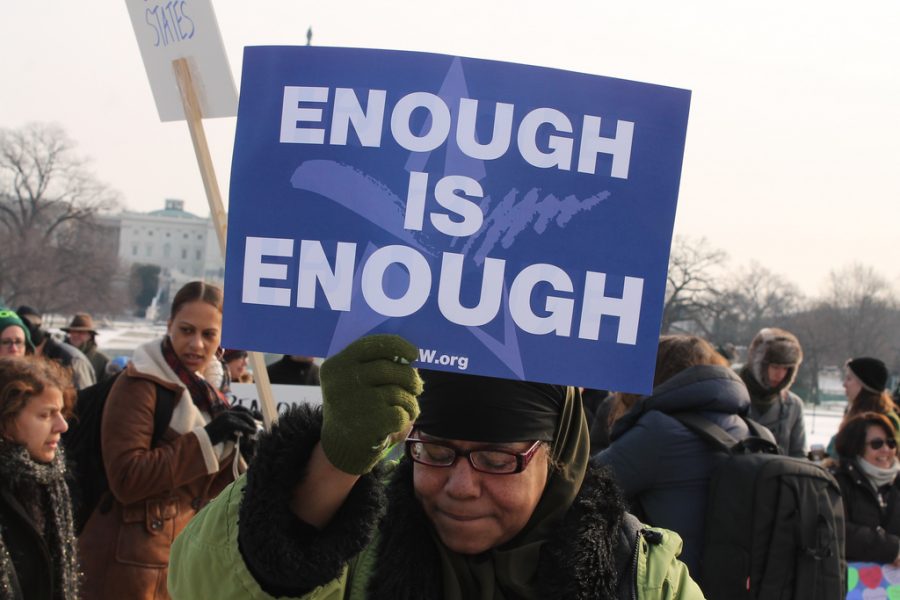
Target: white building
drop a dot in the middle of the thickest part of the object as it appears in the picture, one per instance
(181, 243)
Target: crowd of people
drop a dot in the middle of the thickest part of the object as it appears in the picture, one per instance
(504, 489)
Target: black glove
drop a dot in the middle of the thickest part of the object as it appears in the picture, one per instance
(253, 413)
(248, 442)
(227, 425)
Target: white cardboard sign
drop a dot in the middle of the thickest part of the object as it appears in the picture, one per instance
(245, 394)
(169, 30)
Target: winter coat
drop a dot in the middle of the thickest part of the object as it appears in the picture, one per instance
(97, 359)
(280, 556)
(37, 550)
(777, 408)
(292, 372)
(71, 357)
(663, 467)
(785, 420)
(155, 490)
(872, 517)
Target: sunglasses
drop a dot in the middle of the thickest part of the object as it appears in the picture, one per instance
(877, 443)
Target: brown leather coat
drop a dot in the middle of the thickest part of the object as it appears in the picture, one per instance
(156, 491)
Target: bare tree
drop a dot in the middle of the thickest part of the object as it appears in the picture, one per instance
(856, 316)
(753, 298)
(693, 285)
(862, 307)
(55, 255)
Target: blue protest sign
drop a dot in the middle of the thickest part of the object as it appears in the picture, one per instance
(509, 220)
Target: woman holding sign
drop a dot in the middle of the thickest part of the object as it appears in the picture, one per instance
(168, 441)
(494, 498)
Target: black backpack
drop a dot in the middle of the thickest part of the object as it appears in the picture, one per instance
(86, 476)
(774, 524)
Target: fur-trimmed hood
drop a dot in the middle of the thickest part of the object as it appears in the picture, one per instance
(773, 346)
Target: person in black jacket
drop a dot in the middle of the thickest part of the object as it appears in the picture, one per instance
(663, 467)
(37, 541)
(294, 370)
(867, 473)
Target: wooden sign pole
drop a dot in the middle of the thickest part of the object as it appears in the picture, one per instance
(194, 119)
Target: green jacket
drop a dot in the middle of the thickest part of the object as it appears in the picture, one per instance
(274, 554)
(205, 562)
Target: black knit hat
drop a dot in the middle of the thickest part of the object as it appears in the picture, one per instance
(30, 316)
(871, 372)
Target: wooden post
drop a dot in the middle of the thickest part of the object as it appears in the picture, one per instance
(192, 114)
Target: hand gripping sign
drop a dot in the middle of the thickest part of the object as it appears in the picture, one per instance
(509, 220)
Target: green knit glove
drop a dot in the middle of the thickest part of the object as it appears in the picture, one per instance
(369, 394)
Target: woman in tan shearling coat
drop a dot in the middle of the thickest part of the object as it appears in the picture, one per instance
(157, 487)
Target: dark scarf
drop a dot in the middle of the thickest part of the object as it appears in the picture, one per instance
(514, 570)
(761, 397)
(42, 492)
(581, 559)
(204, 395)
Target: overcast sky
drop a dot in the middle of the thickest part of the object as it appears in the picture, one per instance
(793, 144)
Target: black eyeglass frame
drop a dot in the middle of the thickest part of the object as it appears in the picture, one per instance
(891, 443)
(522, 458)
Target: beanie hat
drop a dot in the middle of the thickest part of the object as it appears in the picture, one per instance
(774, 346)
(30, 316)
(871, 372)
(8, 317)
(507, 410)
(32, 322)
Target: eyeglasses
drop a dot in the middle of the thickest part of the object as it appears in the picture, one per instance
(12, 343)
(496, 462)
(877, 443)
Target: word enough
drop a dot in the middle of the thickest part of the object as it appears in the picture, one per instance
(531, 136)
(336, 283)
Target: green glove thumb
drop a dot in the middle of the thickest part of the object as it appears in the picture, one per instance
(369, 393)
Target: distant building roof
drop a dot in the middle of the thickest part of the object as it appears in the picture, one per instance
(174, 208)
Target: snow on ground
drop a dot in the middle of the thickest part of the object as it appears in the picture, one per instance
(121, 338)
(822, 421)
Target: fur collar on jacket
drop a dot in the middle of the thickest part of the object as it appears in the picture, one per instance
(35, 485)
(148, 362)
(582, 560)
(291, 558)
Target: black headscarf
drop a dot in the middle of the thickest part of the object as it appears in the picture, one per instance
(485, 409)
(488, 409)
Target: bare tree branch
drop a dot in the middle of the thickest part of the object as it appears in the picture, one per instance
(48, 203)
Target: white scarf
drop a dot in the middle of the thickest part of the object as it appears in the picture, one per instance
(877, 475)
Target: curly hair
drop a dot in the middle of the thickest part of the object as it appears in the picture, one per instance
(24, 377)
